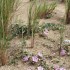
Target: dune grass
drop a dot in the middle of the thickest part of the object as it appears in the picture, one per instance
(43, 10)
(7, 8)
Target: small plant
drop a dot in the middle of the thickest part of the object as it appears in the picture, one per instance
(26, 58)
(32, 22)
(17, 30)
(63, 52)
(35, 59)
(61, 30)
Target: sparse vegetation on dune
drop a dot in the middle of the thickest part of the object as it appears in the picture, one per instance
(41, 43)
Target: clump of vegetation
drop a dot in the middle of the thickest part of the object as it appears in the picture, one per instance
(7, 8)
(17, 30)
(44, 10)
(32, 22)
(61, 49)
(51, 26)
(36, 12)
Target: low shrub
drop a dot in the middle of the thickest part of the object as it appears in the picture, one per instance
(52, 26)
(17, 30)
